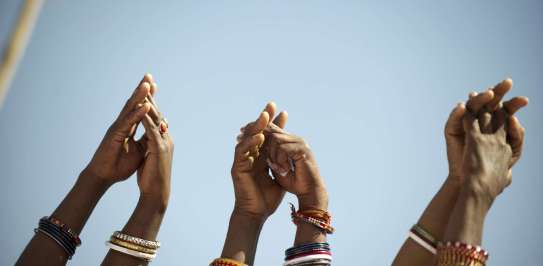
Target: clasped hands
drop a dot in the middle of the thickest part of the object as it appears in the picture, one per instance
(119, 155)
(268, 162)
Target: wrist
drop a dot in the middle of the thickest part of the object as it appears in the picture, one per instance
(91, 180)
(248, 217)
(153, 203)
(317, 199)
(473, 190)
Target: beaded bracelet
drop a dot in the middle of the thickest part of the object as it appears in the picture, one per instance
(423, 238)
(226, 262)
(458, 253)
(132, 246)
(136, 240)
(319, 218)
(64, 236)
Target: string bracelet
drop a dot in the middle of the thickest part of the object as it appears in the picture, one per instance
(458, 253)
(423, 238)
(226, 262)
(133, 246)
(319, 218)
(59, 232)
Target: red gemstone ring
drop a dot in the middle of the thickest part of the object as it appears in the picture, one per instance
(163, 127)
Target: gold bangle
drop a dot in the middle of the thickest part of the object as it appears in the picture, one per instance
(132, 246)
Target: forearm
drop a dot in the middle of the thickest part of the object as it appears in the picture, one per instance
(242, 238)
(144, 223)
(434, 220)
(467, 219)
(74, 211)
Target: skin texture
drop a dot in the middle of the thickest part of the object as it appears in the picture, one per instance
(110, 164)
(437, 215)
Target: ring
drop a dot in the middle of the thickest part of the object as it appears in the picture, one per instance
(163, 126)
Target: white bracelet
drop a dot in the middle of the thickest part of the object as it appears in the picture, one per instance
(133, 253)
(421, 242)
(307, 258)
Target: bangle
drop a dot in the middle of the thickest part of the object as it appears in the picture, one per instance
(307, 259)
(423, 238)
(319, 218)
(308, 254)
(133, 253)
(458, 253)
(132, 246)
(136, 240)
(64, 236)
(226, 262)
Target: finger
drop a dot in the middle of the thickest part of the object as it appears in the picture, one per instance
(515, 104)
(258, 125)
(154, 112)
(281, 119)
(137, 97)
(476, 103)
(485, 123)
(454, 126)
(283, 162)
(154, 88)
(151, 131)
(470, 124)
(123, 126)
(499, 91)
(515, 133)
(243, 148)
(270, 109)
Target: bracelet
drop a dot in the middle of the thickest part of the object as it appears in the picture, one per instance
(226, 262)
(306, 247)
(423, 238)
(309, 254)
(133, 253)
(319, 218)
(136, 240)
(308, 258)
(458, 253)
(64, 236)
(132, 246)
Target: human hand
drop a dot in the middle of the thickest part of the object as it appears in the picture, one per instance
(291, 156)
(118, 156)
(154, 174)
(257, 194)
(493, 141)
(454, 130)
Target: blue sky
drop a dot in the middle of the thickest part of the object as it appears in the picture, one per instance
(369, 85)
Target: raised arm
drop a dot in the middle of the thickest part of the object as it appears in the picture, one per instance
(257, 194)
(56, 238)
(420, 247)
(136, 243)
(293, 160)
(494, 140)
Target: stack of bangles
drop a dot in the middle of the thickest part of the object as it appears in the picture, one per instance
(449, 253)
(133, 246)
(319, 218)
(64, 236)
(308, 254)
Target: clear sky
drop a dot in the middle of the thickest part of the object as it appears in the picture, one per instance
(369, 85)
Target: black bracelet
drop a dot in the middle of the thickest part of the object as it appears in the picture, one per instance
(53, 230)
(61, 237)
